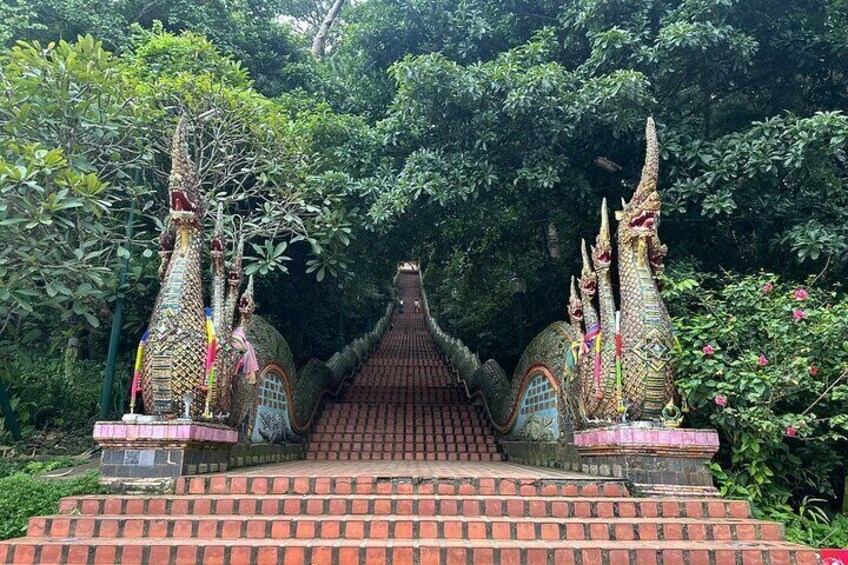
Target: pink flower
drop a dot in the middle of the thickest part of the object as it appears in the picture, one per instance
(709, 350)
(721, 400)
(791, 431)
(814, 370)
(768, 287)
(799, 314)
(763, 361)
(800, 294)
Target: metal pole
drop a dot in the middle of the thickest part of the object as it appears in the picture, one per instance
(341, 317)
(117, 316)
(520, 324)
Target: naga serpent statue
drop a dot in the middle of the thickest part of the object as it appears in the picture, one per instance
(191, 353)
(606, 365)
(222, 363)
(626, 366)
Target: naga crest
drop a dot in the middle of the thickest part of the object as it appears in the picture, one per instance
(188, 351)
(602, 250)
(630, 373)
(183, 185)
(588, 278)
(640, 217)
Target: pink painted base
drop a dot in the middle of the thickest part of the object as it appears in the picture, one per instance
(834, 556)
(657, 460)
(162, 431)
(706, 440)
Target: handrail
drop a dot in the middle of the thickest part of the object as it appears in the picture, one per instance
(501, 396)
(306, 388)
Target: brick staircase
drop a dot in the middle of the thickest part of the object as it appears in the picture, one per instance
(402, 471)
(404, 404)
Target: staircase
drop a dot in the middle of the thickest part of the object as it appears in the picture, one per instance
(404, 403)
(402, 471)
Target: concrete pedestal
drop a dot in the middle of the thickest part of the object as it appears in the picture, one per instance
(657, 460)
(151, 452)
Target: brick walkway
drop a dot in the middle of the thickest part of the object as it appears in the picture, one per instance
(404, 403)
(398, 469)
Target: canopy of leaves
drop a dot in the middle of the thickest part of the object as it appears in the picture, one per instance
(250, 31)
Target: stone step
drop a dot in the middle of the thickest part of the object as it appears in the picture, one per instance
(402, 447)
(405, 505)
(407, 411)
(400, 456)
(401, 552)
(402, 528)
(319, 435)
(262, 485)
(382, 425)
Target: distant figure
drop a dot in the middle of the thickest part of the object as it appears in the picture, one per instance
(400, 305)
(417, 307)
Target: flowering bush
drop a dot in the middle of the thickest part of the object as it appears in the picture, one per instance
(764, 362)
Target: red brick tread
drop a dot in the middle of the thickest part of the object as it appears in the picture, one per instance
(390, 526)
(261, 485)
(424, 505)
(398, 552)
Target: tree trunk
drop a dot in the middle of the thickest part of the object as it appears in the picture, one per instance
(319, 44)
(553, 242)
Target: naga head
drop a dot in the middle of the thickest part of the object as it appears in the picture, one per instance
(183, 186)
(246, 304)
(602, 250)
(235, 273)
(641, 215)
(575, 305)
(588, 279)
(218, 236)
(166, 238)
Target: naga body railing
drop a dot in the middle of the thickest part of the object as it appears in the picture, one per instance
(530, 405)
(606, 365)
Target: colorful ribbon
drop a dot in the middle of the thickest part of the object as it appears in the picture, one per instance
(589, 338)
(211, 354)
(618, 373)
(136, 380)
(248, 362)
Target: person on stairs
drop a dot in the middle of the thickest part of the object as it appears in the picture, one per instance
(400, 305)
(417, 307)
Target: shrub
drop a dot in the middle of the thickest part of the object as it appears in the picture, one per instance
(23, 496)
(765, 362)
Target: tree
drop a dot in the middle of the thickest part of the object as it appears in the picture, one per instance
(319, 43)
(250, 31)
(70, 138)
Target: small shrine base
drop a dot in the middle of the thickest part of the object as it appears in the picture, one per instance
(263, 453)
(553, 454)
(657, 460)
(148, 452)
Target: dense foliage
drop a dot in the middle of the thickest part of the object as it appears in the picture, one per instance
(478, 136)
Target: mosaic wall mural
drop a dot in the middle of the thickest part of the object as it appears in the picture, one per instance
(272, 424)
(537, 414)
